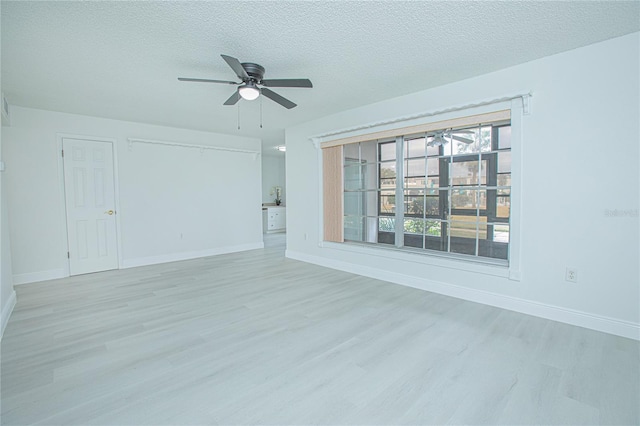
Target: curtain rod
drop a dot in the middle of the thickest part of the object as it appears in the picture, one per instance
(525, 106)
(186, 145)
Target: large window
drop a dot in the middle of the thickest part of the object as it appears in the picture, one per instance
(444, 191)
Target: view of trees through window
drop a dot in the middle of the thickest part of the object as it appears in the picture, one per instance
(455, 187)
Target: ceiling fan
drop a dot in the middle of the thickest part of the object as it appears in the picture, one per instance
(440, 135)
(253, 84)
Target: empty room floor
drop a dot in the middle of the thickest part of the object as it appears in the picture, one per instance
(255, 338)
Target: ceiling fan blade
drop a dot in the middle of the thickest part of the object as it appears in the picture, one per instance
(461, 139)
(287, 82)
(277, 98)
(236, 66)
(233, 99)
(203, 80)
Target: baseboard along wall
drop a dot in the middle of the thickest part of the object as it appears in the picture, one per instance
(555, 313)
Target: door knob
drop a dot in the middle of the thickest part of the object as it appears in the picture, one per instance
(110, 212)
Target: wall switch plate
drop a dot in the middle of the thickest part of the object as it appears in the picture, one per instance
(1, 166)
(571, 275)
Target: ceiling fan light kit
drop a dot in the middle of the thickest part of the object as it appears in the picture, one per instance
(249, 91)
(252, 79)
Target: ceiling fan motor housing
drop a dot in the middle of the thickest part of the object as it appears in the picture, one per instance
(255, 71)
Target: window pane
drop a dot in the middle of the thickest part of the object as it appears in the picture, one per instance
(465, 173)
(433, 228)
(360, 176)
(371, 229)
(504, 179)
(468, 199)
(388, 169)
(485, 139)
(387, 183)
(387, 224)
(433, 166)
(414, 205)
(433, 150)
(414, 182)
(387, 151)
(415, 147)
(462, 240)
(446, 149)
(353, 228)
(361, 203)
(369, 151)
(504, 162)
(414, 226)
(352, 152)
(415, 167)
(354, 203)
(433, 182)
(464, 141)
(504, 137)
(387, 202)
(463, 229)
(386, 230)
(503, 207)
(353, 177)
(501, 233)
(433, 206)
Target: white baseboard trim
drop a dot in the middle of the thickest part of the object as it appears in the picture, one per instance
(174, 257)
(614, 326)
(7, 309)
(32, 277)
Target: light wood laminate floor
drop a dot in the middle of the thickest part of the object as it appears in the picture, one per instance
(254, 338)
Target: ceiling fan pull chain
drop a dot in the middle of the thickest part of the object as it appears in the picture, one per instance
(261, 112)
(238, 116)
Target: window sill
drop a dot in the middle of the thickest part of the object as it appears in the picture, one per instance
(496, 267)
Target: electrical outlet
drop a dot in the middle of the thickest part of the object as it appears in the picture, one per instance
(571, 275)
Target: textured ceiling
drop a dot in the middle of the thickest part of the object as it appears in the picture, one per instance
(121, 60)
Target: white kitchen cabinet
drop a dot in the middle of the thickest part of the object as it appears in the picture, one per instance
(274, 219)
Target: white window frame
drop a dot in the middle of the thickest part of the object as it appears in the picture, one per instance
(519, 105)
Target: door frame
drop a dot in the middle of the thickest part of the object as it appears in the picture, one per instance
(64, 243)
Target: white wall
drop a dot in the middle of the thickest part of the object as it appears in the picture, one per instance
(580, 158)
(273, 174)
(7, 294)
(174, 202)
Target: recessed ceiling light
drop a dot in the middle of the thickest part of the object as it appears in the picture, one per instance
(281, 148)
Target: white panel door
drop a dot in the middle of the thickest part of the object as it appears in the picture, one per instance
(90, 203)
